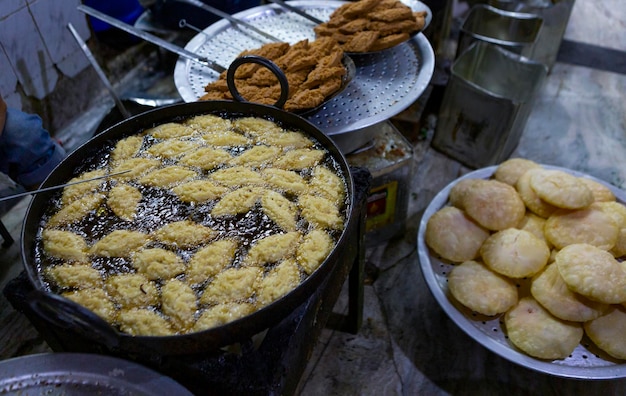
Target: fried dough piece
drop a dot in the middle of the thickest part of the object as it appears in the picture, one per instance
(481, 289)
(143, 322)
(210, 260)
(285, 180)
(179, 302)
(315, 247)
(561, 189)
(168, 176)
(76, 210)
(171, 148)
(272, 249)
(453, 235)
(299, 159)
(135, 168)
(132, 290)
(391, 14)
(494, 205)
(158, 263)
(460, 189)
(286, 139)
(206, 158)
(256, 156)
(123, 200)
(239, 201)
(532, 201)
(256, 126)
(551, 291)
(354, 26)
(75, 276)
(591, 225)
(321, 74)
(617, 211)
(607, 332)
(510, 170)
(358, 8)
(184, 234)
(79, 190)
(389, 41)
(535, 331)
(600, 192)
(199, 191)
(64, 245)
(385, 29)
(208, 123)
(120, 243)
(535, 225)
(95, 300)
(328, 184)
(320, 212)
(307, 99)
(592, 272)
(237, 176)
(170, 130)
(278, 282)
(126, 148)
(225, 139)
(221, 314)
(280, 210)
(361, 41)
(231, 285)
(515, 253)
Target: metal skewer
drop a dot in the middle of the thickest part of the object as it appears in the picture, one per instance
(236, 21)
(152, 38)
(297, 11)
(99, 71)
(58, 186)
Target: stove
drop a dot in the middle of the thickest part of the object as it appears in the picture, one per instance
(270, 362)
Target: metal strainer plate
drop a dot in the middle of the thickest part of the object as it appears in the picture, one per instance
(586, 362)
(385, 84)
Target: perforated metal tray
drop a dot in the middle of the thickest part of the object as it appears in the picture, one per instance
(385, 84)
(586, 362)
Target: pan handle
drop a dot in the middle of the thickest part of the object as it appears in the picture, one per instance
(280, 75)
(68, 315)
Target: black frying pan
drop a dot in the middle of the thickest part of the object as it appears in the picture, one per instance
(72, 316)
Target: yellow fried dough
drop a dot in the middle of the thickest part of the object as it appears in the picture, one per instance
(600, 192)
(495, 205)
(143, 322)
(515, 253)
(210, 260)
(95, 300)
(79, 190)
(320, 212)
(256, 156)
(510, 170)
(123, 200)
(75, 276)
(126, 148)
(225, 139)
(171, 148)
(231, 285)
(561, 189)
(592, 272)
(132, 290)
(460, 189)
(76, 210)
(551, 291)
(184, 234)
(168, 176)
(280, 210)
(239, 201)
(273, 248)
(328, 184)
(286, 139)
(206, 158)
(481, 289)
(119, 243)
(607, 332)
(170, 130)
(221, 314)
(278, 282)
(135, 168)
(158, 263)
(298, 159)
(65, 245)
(617, 211)
(535, 331)
(209, 123)
(315, 247)
(237, 176)
(590, 225)
(179, 303)
(532, 201)
(453, 235)
(285, 180)
(199, 191)
(533, 224)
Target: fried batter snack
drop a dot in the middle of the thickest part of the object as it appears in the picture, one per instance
(510, 170)
(591, 225)
(64, 245)
(95, 300)
(313, 70)
(78, 276)
(532, 201)
(370, 25)
(157, 263)
(481, 289)
(123, 200)
(607, 332)
(561, 189)
(132, 290)
(540, 334)
(494, 205)
(515, 253)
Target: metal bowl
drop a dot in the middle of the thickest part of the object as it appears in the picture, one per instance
(586, 362)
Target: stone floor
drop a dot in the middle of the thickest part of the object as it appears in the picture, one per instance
(407, 344)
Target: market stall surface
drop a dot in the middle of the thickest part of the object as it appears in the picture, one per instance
(407, 344)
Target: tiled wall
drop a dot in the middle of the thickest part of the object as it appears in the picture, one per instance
(36, 47)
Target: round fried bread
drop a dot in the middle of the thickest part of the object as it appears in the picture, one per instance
(533, 224)
(601, 193)
(592, 272)
(535, 331)
(494, 205)
(460, 189)
(617, 211)
(453, 235)
(607, 332)
(480, 289)
(530, 197)
(561, 189)
(510, 170)
(590, 225)
(551, 291)
(515, 253)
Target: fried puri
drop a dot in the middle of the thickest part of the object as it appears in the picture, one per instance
(515, 253)
(494, 205)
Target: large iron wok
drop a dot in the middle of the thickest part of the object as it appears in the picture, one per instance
(66, 314)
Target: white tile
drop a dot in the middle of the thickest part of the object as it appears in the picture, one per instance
(73, 64)
(8, 79)
(52, 18)
(8, 7)
(27, 53)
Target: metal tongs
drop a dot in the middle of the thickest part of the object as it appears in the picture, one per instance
(152, 38)
(297, 11)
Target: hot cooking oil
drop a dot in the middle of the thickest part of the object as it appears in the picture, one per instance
(388, 157)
